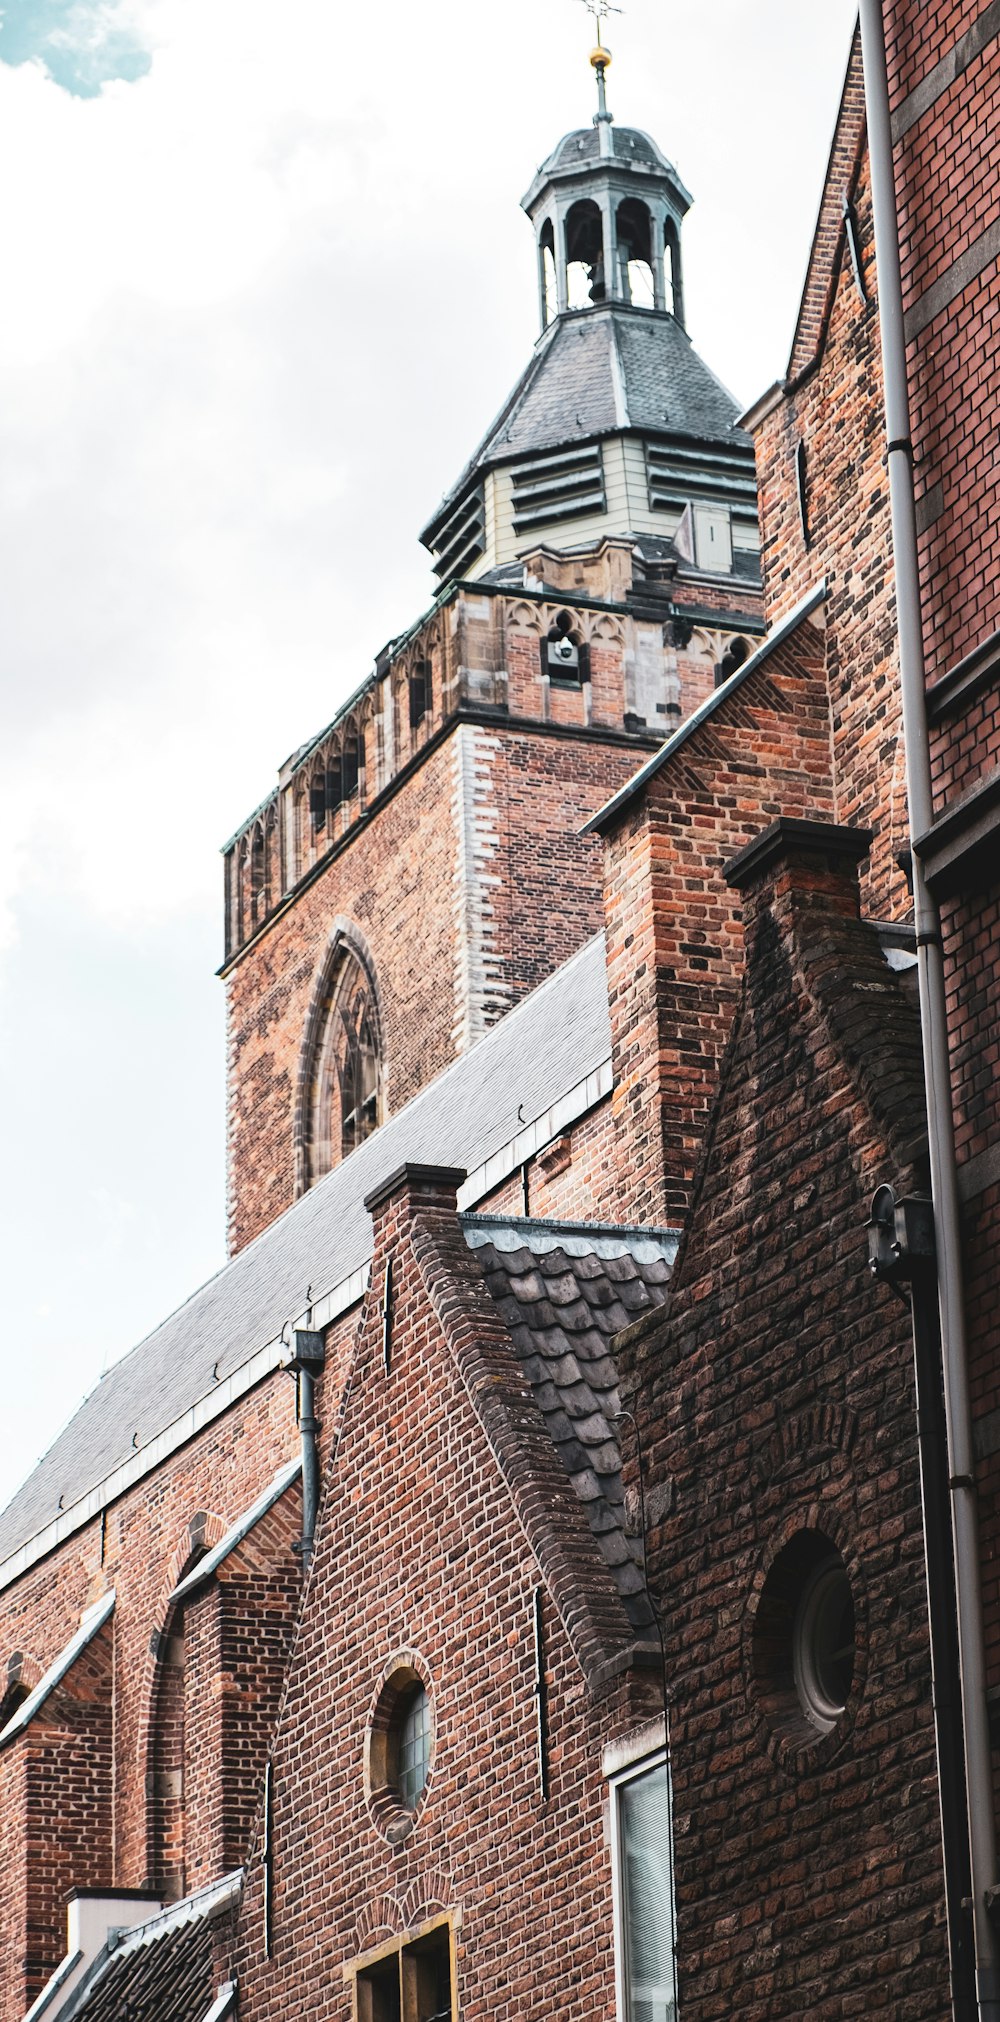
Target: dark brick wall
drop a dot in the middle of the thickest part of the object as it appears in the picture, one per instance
(778, 1397)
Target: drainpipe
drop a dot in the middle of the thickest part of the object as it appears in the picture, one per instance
(933, 1019)
(307, 1363)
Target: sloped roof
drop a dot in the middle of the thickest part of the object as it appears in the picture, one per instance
(599, 370)
(563, 1293)
(536, 1054)
(162, 1971)
(621, 143)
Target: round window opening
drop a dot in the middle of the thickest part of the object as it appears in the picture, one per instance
(400, 1746)
(414, 1747)
(804, 1640)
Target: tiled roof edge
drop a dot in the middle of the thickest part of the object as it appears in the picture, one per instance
(542, 1497)
(568, 1108)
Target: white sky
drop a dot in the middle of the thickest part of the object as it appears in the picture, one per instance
(259, 305)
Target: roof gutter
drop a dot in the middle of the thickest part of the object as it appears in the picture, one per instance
(933, 1019)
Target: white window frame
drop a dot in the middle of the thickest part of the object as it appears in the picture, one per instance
(617, 1783)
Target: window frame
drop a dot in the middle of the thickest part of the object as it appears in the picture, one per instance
(633, 1772)
(396, 1948)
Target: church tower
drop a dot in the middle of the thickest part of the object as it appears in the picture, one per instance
(616, 426)
(419, 866)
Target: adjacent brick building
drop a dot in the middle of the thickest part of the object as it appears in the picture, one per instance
(569, 978)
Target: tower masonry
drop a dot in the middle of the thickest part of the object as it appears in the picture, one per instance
(419, 866)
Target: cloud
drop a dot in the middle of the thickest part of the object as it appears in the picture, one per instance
(82, 44)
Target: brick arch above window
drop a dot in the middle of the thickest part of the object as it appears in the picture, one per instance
(342, 1073)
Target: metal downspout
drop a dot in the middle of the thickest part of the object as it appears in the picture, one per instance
(933, 1018)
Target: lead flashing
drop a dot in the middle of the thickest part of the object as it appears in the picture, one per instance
(238, 1531)
(91, 1623)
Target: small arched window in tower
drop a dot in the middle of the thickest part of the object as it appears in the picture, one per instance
(585, 254)
(317, 799)
(737, 651)
(343, 1100)
(353, 760)
(258, 876)
(547, 255)
(564, 655)
(420, 692)
(635, 253)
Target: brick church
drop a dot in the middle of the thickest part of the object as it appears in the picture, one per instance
(550, 1570)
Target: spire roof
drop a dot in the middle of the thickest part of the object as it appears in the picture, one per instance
(600, 371)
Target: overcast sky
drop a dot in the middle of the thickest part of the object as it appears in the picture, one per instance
(265, 282)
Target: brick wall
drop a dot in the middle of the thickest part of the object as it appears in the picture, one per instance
(834, 408)
(424, 1547)
(56, 1786)
(673, 934)
(55, 1782)
(778, 1401)
(468, 887)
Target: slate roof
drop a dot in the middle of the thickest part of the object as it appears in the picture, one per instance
(536, 1054)
(162, 1971)
(621, 143)
(563, 1293)
(597, 371)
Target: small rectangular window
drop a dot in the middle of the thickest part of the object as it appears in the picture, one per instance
(643, 1894)
(412, 1981)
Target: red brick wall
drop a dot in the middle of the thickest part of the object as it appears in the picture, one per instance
(836, 410)
(673, 933)
(141, 1550)
(459, 929)
(56, 1790)
(420, 1548)
(780, 1396)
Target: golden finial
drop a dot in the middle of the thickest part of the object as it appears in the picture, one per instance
(600, 57)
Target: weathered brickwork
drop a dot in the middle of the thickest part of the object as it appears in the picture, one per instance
(777, 1400)
(673, 931)
(442, 1515)
(944, 65)
(56, 1783)
(835, 409)
(189, 1696)
(466, 889)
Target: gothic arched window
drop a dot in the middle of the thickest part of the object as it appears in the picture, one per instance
(343, 1093)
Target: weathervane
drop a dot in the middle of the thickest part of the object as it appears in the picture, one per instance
(600, 57)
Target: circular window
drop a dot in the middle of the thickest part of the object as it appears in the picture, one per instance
(823, 1644)
(413, 1747)
(399, 1748)
(804, 1641)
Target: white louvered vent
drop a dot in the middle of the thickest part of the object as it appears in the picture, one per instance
(558, 487)
(678, 471)
(462, 538)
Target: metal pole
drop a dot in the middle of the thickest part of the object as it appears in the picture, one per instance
(933, 1018)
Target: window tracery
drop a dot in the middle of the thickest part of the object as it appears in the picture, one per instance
(343, 1092)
